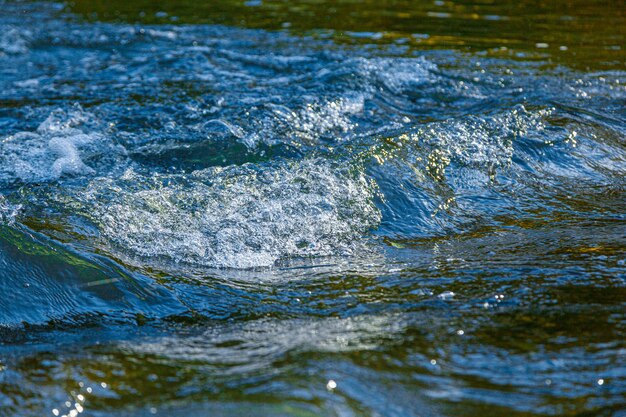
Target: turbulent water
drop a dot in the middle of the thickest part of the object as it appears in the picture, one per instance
(212, 220)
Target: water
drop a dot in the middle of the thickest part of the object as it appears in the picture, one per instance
(255, 209)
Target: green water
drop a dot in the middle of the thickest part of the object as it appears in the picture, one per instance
(587, 34)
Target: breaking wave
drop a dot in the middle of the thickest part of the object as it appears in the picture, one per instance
(239, 216)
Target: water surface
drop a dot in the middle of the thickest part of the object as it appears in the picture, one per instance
(261, 208)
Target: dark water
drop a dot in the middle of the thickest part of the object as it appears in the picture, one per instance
(312, 208)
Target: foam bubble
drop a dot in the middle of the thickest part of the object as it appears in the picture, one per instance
(56, 149)
(8, 211)
(482, 141)
(317, 119)
(237, 217)
(398, 75)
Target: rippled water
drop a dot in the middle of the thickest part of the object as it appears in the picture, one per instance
(198, 219)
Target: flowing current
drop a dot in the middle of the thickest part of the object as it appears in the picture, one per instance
(212, 220)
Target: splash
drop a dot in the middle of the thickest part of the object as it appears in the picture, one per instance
(316, 119)
(57, 148)
(238, 217)
(482, 141)
(8, 211)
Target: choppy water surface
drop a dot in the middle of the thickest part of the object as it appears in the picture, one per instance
(198, 219)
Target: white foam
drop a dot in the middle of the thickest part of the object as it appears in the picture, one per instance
(313, 120)
(236, 217)
(8, 211)
(56, 149)
(480, 142)
(276, 62)
(398, 75)
(317, 119)
(14, 41)
(486, 141)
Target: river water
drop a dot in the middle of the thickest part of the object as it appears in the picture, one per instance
(314, 208)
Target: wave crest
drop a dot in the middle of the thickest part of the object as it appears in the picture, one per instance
(237, 217)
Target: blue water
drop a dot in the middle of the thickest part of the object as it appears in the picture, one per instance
(209, 220)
